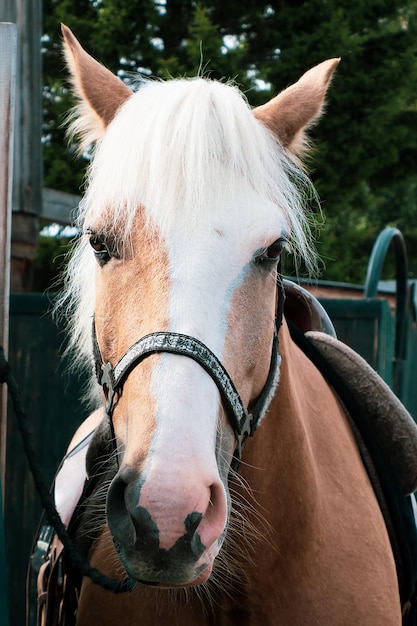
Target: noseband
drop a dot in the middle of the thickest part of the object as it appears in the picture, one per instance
(112, 377)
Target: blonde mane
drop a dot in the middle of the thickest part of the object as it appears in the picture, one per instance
(178, 148)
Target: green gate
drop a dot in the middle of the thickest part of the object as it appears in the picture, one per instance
(383, 332)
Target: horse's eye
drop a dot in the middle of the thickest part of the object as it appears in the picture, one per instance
(272, 252)
(101, 247)
(97, 243)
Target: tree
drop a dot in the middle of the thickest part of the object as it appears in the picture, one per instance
(364, 163)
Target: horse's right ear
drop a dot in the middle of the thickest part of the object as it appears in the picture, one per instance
(99, 91)
(290, 114)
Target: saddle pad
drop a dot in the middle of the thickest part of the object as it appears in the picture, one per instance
(393, 427)
(70, 479)
(71, 475)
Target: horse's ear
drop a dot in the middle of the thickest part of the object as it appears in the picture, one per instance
(294, 110)
(100, 92)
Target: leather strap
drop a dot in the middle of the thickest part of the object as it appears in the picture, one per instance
(243, 423)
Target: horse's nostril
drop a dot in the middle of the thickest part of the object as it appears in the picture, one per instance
(147, 533)
(118, 517)
(192, 522)
(213, 522)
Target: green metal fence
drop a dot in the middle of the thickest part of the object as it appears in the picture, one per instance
(367, 327)
(386, 336)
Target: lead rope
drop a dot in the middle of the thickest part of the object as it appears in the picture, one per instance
(47, 501)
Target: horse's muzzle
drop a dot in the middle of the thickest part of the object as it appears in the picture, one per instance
(142, 545)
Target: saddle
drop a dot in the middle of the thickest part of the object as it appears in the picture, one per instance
(386, 437)
(385, 432)
(390, 423)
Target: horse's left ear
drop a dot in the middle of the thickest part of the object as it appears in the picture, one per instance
(294, 110)
(99, 91)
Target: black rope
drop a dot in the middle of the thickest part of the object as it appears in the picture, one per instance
(85, 569)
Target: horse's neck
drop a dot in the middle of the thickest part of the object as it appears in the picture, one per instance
(303, 438)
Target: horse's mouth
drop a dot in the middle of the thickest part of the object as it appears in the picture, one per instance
(176, 575)
(202, 577)
(175, 568)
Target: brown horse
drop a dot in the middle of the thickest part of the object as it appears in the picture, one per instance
(191, 198)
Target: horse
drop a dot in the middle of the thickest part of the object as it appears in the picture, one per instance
(174, 292)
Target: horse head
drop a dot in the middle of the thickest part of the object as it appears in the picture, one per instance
(191, 198)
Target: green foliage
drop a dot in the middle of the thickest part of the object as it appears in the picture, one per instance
(365, 161)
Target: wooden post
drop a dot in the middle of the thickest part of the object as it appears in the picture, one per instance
(27, 167)
(8, 52)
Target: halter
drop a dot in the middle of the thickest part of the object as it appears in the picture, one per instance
(244, 424)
